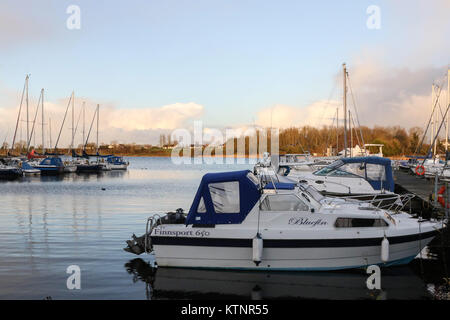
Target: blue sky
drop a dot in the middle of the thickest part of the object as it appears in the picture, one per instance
(233, 57)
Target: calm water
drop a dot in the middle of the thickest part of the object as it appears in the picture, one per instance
(50, 223)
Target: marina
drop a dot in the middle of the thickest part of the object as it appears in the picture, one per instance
(49, 222)
(259, 154)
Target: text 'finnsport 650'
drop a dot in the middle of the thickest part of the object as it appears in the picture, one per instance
(236, 222)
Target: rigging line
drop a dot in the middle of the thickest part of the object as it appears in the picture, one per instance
(437, 134)
(328, 101)
(76, 127)
(34, 122)
(356, 112)
(87, 139)
(354, 128)
(62, 125)
(18, 116)
(330, 131)
(419, 146)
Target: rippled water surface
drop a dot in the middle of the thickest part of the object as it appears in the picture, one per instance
(50, 223)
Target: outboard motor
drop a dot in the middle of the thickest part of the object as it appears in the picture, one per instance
(176, 217)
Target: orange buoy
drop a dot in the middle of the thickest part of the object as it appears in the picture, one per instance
(420, 170)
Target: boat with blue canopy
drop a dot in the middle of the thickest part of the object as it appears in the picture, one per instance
(50, 166)
(237, 221)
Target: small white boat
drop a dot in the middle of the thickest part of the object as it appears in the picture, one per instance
(357, 176)
(235, 222)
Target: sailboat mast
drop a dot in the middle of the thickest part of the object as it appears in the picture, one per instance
(432, 115)
(448, 103)
(28, 122)
(84, 119)
(42, 111)
(345, 108)
(18, 115)
(98, 120)
(73, 117)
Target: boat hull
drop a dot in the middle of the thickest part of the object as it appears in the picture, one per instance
(89, 168)
(49, 171)
(70, 168)
(10, 174)
(286, 255)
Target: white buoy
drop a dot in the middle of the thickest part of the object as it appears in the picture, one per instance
(257, 246)
(385, 250)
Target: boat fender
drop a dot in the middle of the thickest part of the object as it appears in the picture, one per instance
(385, 249)
(257, 246)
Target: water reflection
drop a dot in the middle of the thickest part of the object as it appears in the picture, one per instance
(180, 283)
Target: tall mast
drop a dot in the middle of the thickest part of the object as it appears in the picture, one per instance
(448, 103)
(98, 117)
(73, 121)
(42, 111)
(84, 119)
(18, 115)
(28, 122)
(432, 115)
(345, 108)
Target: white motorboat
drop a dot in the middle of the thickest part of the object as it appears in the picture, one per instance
(26, 167)
(235, 222)
(363, 177)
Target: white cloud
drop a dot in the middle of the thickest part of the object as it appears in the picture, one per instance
(123, 125)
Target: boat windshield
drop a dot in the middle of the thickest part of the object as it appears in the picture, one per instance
(328, 169)
(316, 195)
(341, 169)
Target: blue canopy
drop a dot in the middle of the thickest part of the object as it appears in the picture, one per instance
(52, 161)
(387, 183)
(224, 198)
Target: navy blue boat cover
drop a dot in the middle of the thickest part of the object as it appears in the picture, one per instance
(388, 183)
(249, 195)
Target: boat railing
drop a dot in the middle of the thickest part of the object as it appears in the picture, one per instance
(395, 202)
(152, 222)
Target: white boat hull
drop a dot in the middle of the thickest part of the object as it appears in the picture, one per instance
(118, 166)
(307, 256)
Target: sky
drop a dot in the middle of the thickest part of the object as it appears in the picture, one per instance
(159, 65)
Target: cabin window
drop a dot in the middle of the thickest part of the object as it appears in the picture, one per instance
(283, 202)
(225, 196)
(351, 169)
(201, 206)
(376, 172)
(359, 223)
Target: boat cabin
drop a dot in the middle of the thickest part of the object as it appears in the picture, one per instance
(376, 170)
(224, 198)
